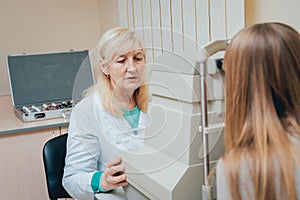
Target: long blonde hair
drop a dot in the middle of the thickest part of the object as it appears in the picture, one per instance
(115, 42)
(262, 67)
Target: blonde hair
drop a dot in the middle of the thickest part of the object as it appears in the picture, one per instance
(114, 42)
(262, 67)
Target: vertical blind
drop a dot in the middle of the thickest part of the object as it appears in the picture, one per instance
(181, 25)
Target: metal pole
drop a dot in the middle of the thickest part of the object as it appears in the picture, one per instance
(206, 188)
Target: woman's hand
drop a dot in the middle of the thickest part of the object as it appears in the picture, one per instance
(114, 175)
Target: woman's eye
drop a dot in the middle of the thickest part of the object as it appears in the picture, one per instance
(138, 58)
(121, 61)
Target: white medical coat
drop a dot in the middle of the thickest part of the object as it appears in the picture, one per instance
(93, 136)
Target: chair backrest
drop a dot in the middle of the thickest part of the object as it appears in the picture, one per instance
(54, 153)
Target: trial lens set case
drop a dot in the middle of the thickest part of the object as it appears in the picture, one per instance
(48, 85)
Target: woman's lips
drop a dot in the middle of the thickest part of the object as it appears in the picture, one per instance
(131, 78)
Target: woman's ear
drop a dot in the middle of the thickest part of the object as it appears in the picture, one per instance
(103, 67)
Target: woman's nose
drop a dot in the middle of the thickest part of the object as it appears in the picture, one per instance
(131, 65)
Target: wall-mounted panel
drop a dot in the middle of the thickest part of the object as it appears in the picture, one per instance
(166, 29)
(234, 17)
(189, 25)
(131, 16)
(202, 22)
(147, 22)
(181, 25)
(177, 29)
(217, 20)
(123, 16)
(156, 28)
(138, 18)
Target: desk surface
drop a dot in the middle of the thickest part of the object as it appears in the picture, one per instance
(9, 123)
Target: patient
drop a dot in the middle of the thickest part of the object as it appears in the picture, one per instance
(262, 158)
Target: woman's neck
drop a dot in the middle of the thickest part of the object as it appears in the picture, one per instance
(124, 101)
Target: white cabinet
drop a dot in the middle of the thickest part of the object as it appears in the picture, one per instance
(21, 169)
(22, 173)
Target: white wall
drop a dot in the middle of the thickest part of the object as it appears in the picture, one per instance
(35, 26)
(286, 11)
(54, 25)
(108, 15)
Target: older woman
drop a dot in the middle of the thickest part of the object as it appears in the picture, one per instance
(110, 117)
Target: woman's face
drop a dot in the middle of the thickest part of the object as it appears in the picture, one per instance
(126, 71)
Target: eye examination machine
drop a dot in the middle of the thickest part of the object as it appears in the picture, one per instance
(184, 137)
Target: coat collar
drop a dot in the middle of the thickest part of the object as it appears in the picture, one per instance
(116, 127)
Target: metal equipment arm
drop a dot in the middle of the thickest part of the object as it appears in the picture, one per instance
(207, 51)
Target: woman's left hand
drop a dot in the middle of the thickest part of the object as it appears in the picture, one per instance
(114, 175)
